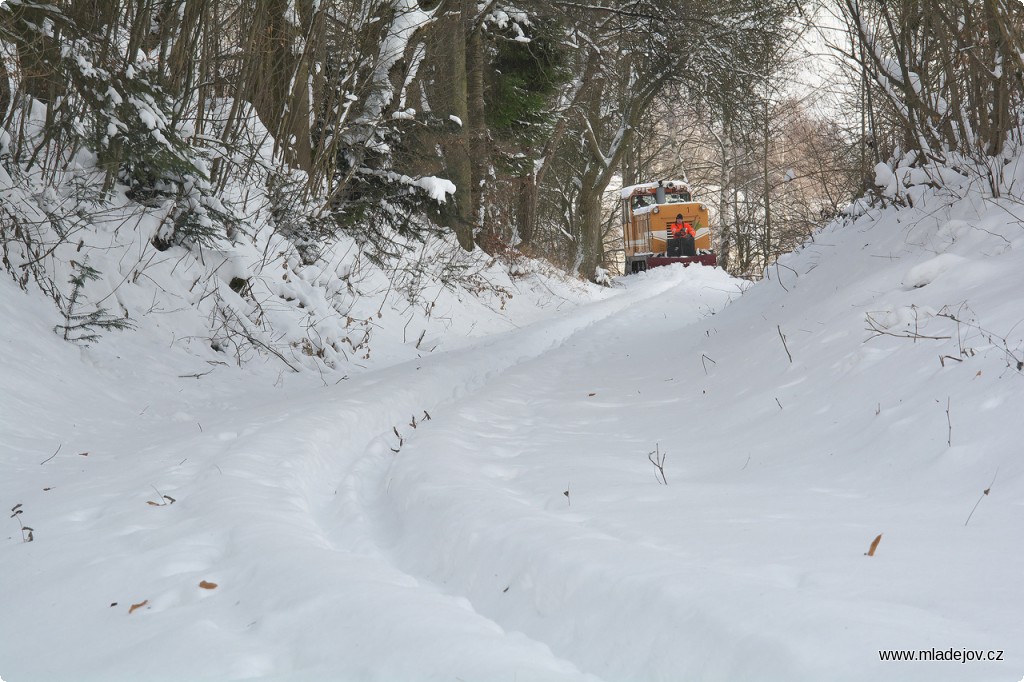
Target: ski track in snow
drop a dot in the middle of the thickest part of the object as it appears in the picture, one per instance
(461, 423)
(521, 554)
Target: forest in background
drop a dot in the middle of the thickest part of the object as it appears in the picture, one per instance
(499, 127)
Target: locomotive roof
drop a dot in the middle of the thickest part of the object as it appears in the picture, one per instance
(647, 188)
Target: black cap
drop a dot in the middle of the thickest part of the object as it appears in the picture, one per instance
(679, 217)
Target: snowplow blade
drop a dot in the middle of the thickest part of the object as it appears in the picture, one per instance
(710, 259)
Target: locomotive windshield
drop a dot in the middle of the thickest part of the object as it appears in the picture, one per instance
(680, 197)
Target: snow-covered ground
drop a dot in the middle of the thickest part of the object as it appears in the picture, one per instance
(492, 512)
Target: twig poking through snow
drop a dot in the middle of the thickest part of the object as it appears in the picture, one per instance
(949, 423)
(703, 359)
(26, 531)
(165, 500)
(983, 494)
(784, 345)
(657, 458)
(53, 455)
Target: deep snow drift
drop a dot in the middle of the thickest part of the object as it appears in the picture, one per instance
(493, 512)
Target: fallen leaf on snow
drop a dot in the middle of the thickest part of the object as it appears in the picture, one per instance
(874, 545)
(137, 606)
(207, 585)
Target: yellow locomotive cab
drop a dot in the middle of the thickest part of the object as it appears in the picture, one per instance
(647, 211)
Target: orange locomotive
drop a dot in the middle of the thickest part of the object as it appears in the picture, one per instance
(648, 213)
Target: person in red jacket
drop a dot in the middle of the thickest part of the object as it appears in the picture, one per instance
(681, 238)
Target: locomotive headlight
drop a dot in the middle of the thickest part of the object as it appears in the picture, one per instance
(656, 210)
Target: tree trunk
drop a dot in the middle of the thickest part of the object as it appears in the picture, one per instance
(278, 86)
(724, 229)
(602, 164)
(527, 210)
(5, 94)
(184, 44)
(38, 56)
(528, 214)
(476, 126)
(451, 42)
(1000, 104)
(590, 214)
(766, 179)
(594, 181)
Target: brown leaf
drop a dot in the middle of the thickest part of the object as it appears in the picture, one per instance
(137, 606)
(153, 504)
(207, 585)
(874, 545)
